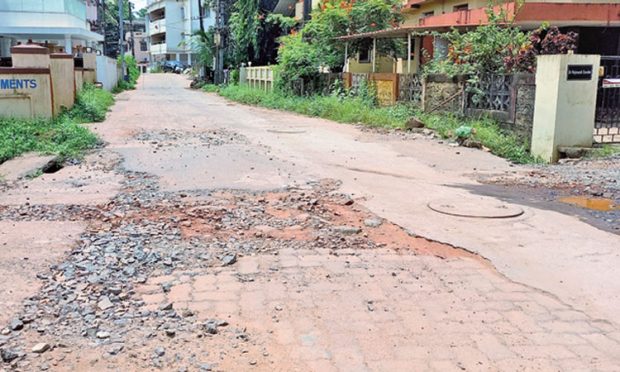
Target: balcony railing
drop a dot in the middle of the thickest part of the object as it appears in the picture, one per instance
(471, 17)
(157, 27)
(159, 48)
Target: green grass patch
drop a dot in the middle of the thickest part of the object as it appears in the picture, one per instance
(485, 131)
(91, 105)
(359, 111)
(210, 88)
(63, 136)
(604, 151)
(344, 110)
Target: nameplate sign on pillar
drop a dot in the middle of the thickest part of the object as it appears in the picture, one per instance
(579, 72)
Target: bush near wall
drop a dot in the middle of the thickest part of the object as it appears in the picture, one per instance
(133, 74)
(63, 136)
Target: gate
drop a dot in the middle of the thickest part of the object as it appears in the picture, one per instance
(607, 118)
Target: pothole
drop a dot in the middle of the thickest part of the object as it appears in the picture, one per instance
(52, 167)
(597, 204)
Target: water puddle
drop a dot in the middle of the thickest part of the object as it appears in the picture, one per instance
(597, 204)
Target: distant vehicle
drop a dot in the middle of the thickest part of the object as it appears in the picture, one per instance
(174, 66)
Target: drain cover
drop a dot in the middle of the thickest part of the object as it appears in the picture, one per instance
(475, 208)
(286, 131)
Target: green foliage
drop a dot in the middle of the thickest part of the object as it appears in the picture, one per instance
(133, 73)
(63, 135)
(498, 47)
(481, 50)
(244, 25)
(338, 18)
(297, 59)
(604, 151)
(484, 130)
(348, 110)
(211, 88)
(303, 55)
(91, 105)
(203, 44)
(284, 22)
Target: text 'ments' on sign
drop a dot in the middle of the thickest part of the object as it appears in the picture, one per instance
(579, 72)
(18, 83)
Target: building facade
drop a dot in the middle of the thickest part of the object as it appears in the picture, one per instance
(61, 25)
(170, 26)
(597, 22)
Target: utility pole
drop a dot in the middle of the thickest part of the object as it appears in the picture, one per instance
(105, 27)
(120, 44)
(133, 41)
(219, 41)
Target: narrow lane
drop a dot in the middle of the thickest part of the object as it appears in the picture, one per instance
(233, 238)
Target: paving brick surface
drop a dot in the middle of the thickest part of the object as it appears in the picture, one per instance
(383, 310)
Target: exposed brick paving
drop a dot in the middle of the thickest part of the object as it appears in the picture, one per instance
(383, 310)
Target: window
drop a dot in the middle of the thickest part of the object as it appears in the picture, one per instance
(461, 7)
(143, 46)
(428, 14)
(364, 56)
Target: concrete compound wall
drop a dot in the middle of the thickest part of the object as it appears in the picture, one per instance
(442, 93)
(108, 73)
(40, 84)
(26, 88)
(25, 92)
(78, 82)
(61, 67)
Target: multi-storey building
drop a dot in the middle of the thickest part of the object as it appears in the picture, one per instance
(171, 24)
(597, 23)
(136, 42)
(62, 25)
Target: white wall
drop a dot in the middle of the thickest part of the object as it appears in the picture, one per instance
(107, 72)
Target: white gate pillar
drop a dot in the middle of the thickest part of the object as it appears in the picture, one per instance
(566, 87)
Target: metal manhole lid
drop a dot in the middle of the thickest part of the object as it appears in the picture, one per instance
(286, 131)
(475, 208)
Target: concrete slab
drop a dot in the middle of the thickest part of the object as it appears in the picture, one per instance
(22, 166)
(71, 185)
(27, 248)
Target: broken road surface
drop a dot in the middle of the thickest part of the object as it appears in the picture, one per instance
(209, 235)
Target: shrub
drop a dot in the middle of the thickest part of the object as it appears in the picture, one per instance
(91, 105)
(62, 136)
(211, 88)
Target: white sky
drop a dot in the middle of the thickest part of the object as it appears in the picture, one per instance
(139, 4)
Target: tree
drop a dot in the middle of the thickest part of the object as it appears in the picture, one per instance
(315, 47)
(141, 13)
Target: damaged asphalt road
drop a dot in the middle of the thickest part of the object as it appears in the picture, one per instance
(188, 244)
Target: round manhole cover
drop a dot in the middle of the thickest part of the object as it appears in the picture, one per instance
(475, 208)
(286, 131)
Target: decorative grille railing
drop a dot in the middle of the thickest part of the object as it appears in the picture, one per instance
(410, 88)
(490, 92)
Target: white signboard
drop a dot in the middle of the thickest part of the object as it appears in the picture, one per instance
(611, 83)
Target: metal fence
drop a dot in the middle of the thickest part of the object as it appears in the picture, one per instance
(608, 96)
